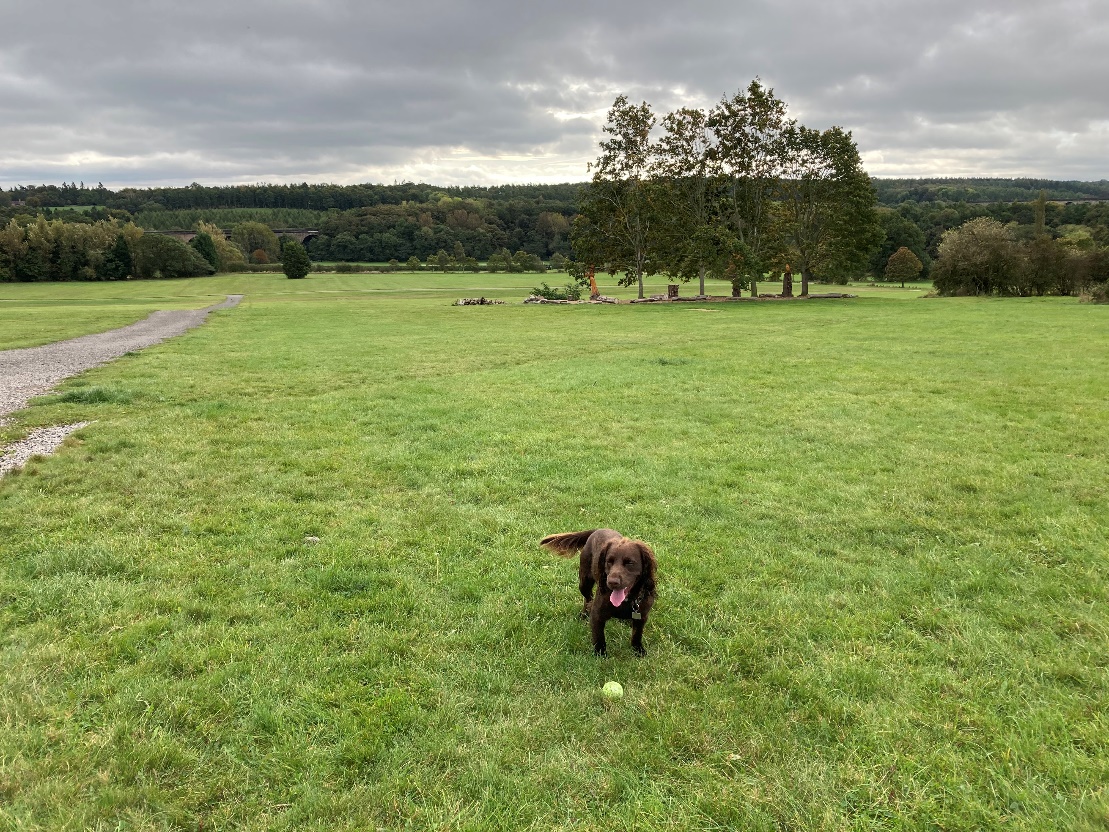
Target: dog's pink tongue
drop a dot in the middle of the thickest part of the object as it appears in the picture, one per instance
(616, 598)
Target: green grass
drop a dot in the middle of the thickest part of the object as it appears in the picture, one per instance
(880, 525)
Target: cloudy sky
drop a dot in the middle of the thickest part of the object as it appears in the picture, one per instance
(148, 92)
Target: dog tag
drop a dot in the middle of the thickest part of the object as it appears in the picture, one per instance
(637, 616)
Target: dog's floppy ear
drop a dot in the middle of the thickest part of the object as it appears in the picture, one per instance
(600, 565)
(647, 555)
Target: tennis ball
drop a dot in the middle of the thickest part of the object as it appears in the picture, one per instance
(612, 690)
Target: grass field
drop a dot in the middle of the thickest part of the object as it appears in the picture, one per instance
(880, 525)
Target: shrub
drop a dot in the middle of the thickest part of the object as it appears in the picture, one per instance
(347, 268)
(1095, 293)
(259, 256)
(294, 261)
(978, 258)
(158, 255)
(570, 292)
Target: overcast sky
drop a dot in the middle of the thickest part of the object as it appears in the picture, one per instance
(149, 92)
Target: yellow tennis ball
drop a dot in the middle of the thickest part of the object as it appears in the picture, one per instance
(612, 690)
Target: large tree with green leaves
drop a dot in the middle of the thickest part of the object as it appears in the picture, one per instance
(826, 204)
(117, 263)
(205, 246)
(695, 241)
(617, 228)
(749, 152)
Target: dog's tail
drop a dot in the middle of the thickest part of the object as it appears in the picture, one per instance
(566, 544)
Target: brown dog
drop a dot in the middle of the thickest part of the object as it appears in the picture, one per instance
(624, 572)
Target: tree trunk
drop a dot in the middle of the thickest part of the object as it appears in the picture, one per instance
(640, 279)
(805, 276)
(787, 284)
(701, 275)
(754, 286)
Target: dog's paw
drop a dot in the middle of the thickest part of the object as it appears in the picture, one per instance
(640, 650)
(600, 652)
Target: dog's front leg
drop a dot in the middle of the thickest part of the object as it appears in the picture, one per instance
(597, 626)
(637, 637)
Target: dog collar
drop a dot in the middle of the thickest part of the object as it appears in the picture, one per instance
(636, 601)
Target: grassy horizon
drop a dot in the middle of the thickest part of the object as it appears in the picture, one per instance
(880, 528)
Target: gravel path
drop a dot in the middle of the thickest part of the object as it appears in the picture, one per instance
(31, 372)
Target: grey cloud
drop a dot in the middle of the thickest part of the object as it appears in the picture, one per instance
(148, 91)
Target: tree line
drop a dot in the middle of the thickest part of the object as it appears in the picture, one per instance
(430, 225)
(54, 250)
(313, 197)
(733, 193)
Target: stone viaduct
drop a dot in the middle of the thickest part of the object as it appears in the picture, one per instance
(298, 234)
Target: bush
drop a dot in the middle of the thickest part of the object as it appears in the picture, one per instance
(158, 255)
(1096, 293)
(294, 261)
(347, 268)
(571, 292)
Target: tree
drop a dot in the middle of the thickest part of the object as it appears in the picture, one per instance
(229, 256)
(294, 260)
(1048, 267)
(157, 255)
(116, 263)
(903, 265)
(978, 258)
(749, 152)
(826, 203)
(899, 231)
(206, 247)
(252, 236)
(616, 227)
(553, 228)
(696, 242)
